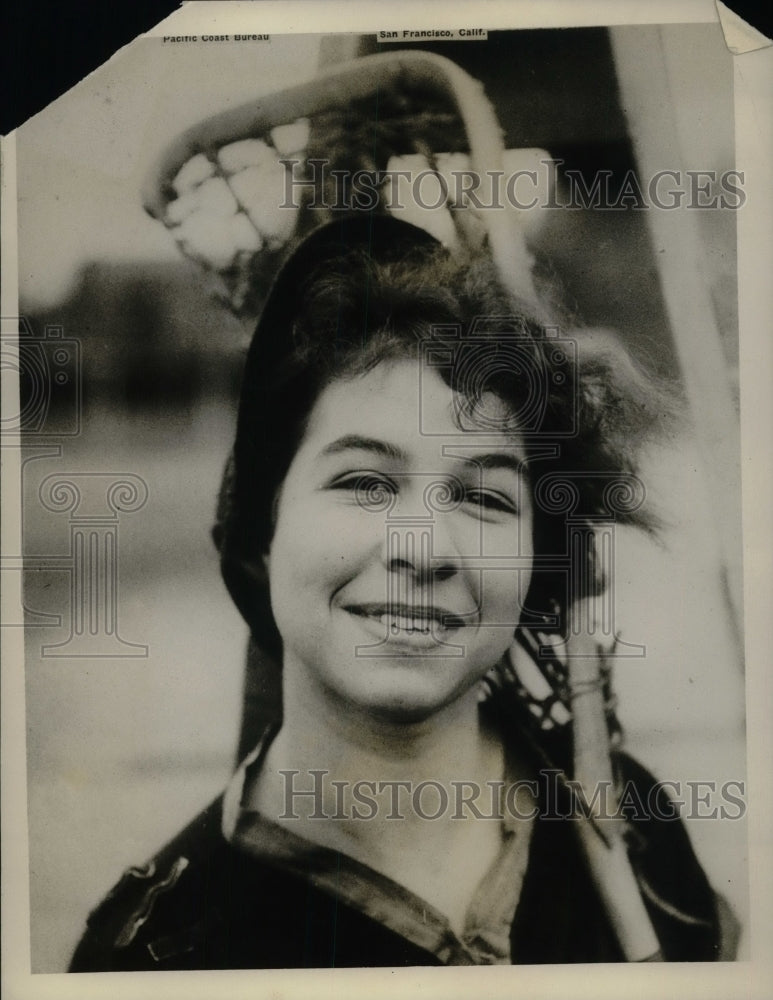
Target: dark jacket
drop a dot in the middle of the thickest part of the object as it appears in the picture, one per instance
(203, 904)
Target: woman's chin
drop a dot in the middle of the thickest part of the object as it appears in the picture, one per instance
(404, 699)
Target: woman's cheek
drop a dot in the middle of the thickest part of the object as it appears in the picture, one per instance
(328, 540)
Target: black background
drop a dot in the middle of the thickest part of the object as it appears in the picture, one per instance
(52, 44)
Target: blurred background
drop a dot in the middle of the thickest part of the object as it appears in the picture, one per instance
(124, 745)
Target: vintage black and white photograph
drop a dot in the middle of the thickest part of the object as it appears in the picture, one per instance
(380, 564)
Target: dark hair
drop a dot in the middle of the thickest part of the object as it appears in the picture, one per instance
(339, 309)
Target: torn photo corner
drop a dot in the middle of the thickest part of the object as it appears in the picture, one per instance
(477, 296)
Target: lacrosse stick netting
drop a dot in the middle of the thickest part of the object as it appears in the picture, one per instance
(240, 189)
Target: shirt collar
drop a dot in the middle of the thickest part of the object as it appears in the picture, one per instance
(486, 936)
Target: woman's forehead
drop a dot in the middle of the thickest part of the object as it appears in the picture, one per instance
(408, 405)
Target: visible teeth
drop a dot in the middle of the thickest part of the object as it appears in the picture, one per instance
(399, 623)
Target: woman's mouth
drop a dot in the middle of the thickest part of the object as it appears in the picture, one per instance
(404, 619)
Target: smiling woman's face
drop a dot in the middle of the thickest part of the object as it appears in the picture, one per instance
(400, 559)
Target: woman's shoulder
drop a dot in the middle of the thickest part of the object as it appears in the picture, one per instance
(694, 921)
(199, 903)
(144, 907)
(691, 921)
(202, 903)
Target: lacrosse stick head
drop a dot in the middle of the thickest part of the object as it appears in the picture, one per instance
(406, 133)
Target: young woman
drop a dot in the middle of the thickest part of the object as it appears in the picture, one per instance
(390, 531)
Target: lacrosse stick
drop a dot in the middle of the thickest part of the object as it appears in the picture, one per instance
(575, 694)
(602, 840)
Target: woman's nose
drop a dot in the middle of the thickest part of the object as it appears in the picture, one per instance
(420, 535)
(426, 551)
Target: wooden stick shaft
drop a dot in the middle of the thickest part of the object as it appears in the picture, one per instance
(609, 865)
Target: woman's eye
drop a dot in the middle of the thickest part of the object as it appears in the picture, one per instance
(368, 489)
(488, 500)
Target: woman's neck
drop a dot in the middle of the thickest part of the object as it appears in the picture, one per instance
(355, 746)
(389, 794)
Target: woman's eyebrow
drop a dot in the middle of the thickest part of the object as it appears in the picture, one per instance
(486, 460)
(350, 442)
